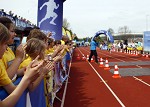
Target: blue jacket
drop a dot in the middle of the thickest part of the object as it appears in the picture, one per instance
(93, 45)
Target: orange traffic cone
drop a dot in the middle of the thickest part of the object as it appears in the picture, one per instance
(106, 65)
(92, 60)
(87, 57)
(128, 52)
(116, 72)
(136, 53)
(101, 63)
(121, 50)
(83, 57)
(143, 54)
(147, 55)
(78, 57)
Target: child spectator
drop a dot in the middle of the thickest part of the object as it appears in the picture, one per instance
(30, 72)
(10, 60)
(34, 48)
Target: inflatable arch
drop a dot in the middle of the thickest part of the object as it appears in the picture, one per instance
(110, 37)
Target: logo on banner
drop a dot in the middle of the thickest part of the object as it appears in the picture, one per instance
(51, 6)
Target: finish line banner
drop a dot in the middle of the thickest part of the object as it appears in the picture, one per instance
(146, 41)
(50, 16)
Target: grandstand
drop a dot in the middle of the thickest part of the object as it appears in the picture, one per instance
(20, 22)
(127, 36)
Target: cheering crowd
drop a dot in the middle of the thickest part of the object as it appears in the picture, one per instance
(41, 58)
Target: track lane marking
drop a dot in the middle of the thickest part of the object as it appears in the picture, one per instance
(138, 66)
(132, 76)
(117, 98)
(141, 81)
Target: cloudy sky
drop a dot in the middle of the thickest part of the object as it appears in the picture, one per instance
(86, 17)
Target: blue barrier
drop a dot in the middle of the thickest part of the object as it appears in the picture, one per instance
(22, 100)
(68, 56)
(37, 97)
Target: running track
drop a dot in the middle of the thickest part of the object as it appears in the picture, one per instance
(89, 85)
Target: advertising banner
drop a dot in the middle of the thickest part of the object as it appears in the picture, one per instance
(146, 41)
(50, 16)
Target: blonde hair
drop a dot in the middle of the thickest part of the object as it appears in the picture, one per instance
(35, 47)
(4, 34)
(36, 33)
(50, 40)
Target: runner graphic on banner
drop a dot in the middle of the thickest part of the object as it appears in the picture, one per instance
(50, 17)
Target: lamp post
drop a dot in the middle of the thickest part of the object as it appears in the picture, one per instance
(147, 22)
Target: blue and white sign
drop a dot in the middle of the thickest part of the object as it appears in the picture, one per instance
(146, 41)
(50, 16)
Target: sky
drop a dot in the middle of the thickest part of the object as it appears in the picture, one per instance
(86, 17)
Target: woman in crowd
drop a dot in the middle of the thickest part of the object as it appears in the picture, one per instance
(30, 72)
(10, 60)
(6, 83)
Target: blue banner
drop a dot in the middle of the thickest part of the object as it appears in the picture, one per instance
(146, 41)
(50, 17)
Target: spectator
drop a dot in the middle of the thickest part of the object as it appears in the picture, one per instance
(30, 72)
(36, 33)
(35, 47)
(2, 12)
(64, 41)
(25, 34)
(10, 59)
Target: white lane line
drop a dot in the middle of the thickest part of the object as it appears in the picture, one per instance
(65, 89)
(106, 85)
(138, 66)
(134, 76)
(141, 81)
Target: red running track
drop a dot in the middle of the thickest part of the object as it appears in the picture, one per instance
(92, 86)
